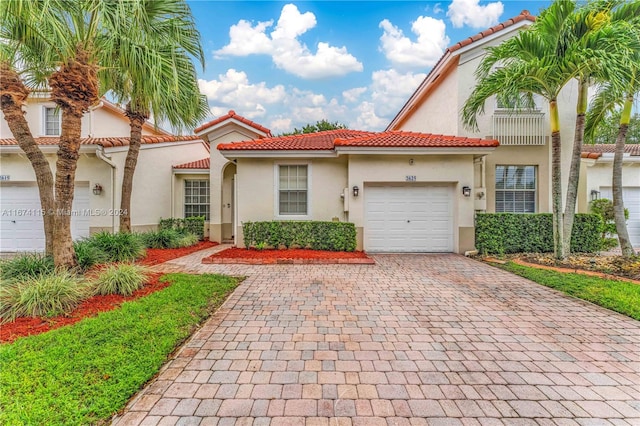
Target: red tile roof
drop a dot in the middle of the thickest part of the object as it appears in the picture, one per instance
(402, 139)
(524, 15)
(108, 142)
(596, 151)
(309, 141)
(232, 114)
(200, 164)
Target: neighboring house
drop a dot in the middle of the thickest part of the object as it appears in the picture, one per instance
(105, 131)
(595, 182)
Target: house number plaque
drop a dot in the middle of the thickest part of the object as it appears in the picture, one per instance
(410, 178)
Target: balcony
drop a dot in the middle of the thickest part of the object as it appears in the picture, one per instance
(519, 127)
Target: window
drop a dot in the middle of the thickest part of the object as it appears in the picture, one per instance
(516, 189)
(292, 189)
(196, 198)
(51, 121)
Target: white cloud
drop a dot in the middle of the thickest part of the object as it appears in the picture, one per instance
(233, 90)
(352, 95)
(437, 8)
(424, 52)
(471, 13)
(280, 125)
(286, 51)
(367, 118)
(390, 89)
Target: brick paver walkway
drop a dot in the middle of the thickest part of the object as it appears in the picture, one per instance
(414, 340)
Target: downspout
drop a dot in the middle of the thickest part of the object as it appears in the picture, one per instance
(101, 155)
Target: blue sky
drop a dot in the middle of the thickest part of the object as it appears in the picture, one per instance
(285, 64)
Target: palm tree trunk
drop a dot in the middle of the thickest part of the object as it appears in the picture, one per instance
(68, 153)
(136, 120)
(13, 95)
(556, 181)
(618, 203)
(574, 171)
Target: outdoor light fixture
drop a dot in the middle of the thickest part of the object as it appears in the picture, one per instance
(97, 189)
(466, 191)
(595, 194)
(356, 191)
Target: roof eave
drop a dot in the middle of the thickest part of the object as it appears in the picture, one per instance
(366, 150)
(274, 153)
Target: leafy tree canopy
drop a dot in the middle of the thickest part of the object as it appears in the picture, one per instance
(320, 126)
(607, 130)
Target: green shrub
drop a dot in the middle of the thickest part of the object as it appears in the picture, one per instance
(43, 295)
(316, 235)
(604, 208)
(26, 265)
(186, 240)
(88, 254)
(163, 238)
(120, 247)
(188, 225)
(124, 278)
(504, 233)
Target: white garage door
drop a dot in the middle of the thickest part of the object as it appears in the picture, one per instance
(21, 226)
(631, 198)
(408, 218)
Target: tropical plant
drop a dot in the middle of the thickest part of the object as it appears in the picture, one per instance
(124, 279)
(120, 247)
(26, 265)
(89, 254)
(163, 238)
(319, 126)
(186, 240)
(154, 75)
(41, 295)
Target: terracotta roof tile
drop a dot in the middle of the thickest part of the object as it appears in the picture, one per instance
(524, 15)
(310, 141)
(595, 151)
(416, 140)
(108, 142)
(199, 164)
(232, 114)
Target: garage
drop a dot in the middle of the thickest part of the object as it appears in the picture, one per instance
(414, 218)
(631, 198)
(21, 226)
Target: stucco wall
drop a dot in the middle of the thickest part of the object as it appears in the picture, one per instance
(596, 175)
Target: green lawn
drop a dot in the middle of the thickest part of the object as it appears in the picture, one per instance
(84, 373)
(619, 296)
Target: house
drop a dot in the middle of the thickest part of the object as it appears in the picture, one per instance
(104, 145)
(595, 182)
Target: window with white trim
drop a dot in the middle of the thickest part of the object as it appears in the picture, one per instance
(293, 189)
(516, 189)
(196, 198)
(51, 121)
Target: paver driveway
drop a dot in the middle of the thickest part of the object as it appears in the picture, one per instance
(416, 339)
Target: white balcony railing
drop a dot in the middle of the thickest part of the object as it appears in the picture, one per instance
(519, 128)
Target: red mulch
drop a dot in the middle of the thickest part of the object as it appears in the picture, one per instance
(155, 256)
(253, 256)
(27, 326)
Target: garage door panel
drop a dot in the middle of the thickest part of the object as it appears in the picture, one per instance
(416, 218)
(631, 198)
(21, 226)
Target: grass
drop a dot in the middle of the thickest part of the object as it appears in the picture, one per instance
(619, 296)
(84, 373)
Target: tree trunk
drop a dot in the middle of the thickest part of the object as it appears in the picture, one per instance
(556, 182)
(13, 95)
(574, 171)
(136, 120)
(618, 203)
(74, 87)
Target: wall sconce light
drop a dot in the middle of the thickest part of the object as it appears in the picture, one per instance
(411, 161)
(356, 191)
(595, 195)
(97, 189)
(466, 191)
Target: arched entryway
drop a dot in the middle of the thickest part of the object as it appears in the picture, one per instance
(227, 202)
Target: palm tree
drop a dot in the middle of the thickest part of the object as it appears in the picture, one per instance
(155, 76)
(76, 41)
(605, 102)
(531, 64)
(605, 31)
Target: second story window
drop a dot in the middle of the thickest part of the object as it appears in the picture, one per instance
(51, 121)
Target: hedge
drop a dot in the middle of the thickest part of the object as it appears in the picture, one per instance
(332, 236)
(193, 225)
(504, 233)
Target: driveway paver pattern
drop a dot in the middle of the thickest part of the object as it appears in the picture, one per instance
(413, 340)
